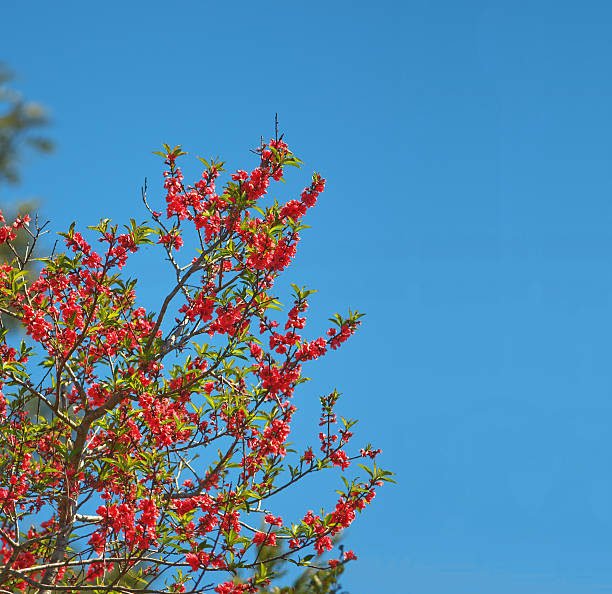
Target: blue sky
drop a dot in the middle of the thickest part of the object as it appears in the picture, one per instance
(468, 212)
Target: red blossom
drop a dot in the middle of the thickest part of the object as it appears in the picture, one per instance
(261, 538)
(270, 519)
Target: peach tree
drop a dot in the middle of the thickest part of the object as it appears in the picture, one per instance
(150, 443)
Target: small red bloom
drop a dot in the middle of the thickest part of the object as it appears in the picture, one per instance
(270, 519)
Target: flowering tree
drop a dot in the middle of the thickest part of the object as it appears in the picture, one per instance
(149, 444)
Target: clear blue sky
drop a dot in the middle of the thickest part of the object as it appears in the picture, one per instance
(467, 148)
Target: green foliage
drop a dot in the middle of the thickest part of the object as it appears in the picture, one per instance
(312, 580)
(19, 121)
